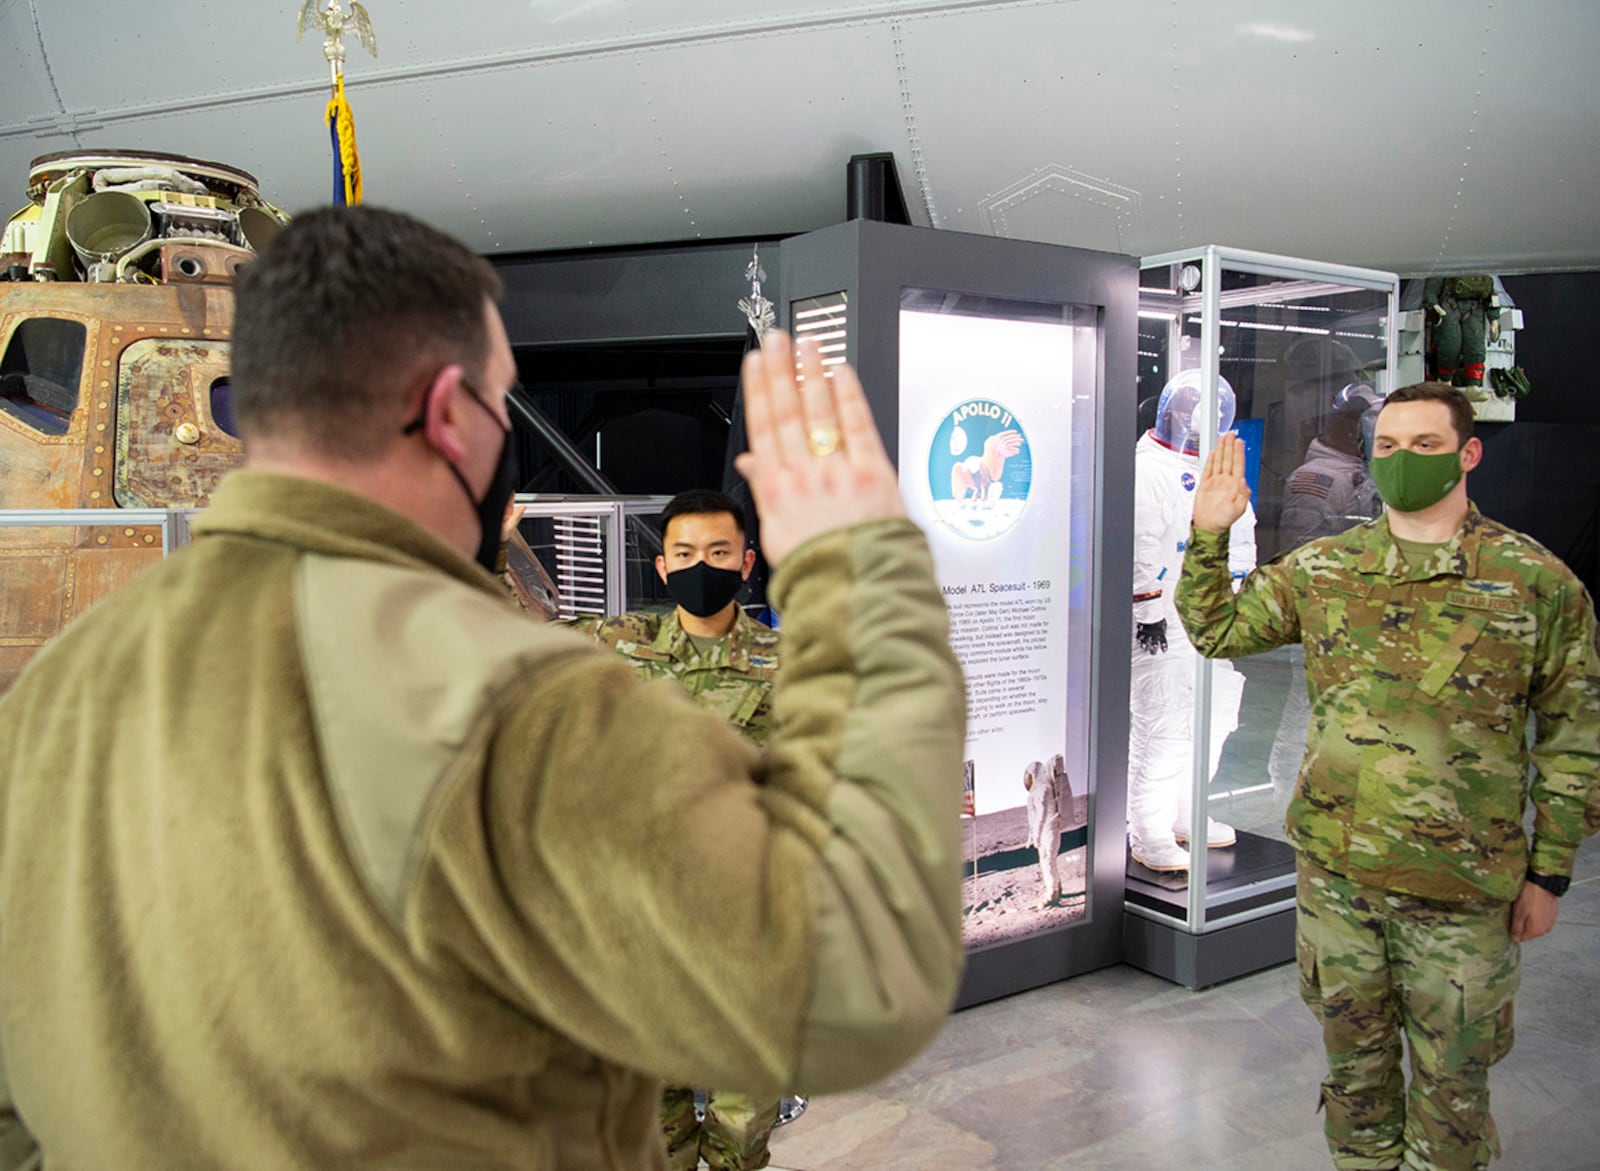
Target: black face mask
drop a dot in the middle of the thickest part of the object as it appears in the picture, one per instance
(491, 509)
(703, 590)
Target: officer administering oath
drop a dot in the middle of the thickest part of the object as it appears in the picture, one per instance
(319, 853)
(1431, 635)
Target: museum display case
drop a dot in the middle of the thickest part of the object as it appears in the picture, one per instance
(1294, 356)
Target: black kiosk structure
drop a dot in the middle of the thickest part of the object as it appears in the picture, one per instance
(999, 374)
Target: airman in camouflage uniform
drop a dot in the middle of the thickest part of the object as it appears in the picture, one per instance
(1416, 881)
(733, 673)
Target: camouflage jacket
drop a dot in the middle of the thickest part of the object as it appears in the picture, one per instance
(734, 677)
(1421, 682)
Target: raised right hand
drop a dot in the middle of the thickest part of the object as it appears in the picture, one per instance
(816, 461)
(1222, 494)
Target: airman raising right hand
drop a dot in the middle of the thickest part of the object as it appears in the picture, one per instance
(1222, 494)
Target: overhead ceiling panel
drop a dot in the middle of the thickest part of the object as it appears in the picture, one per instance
(1419, 136)
(748, 137)
(1338, 132)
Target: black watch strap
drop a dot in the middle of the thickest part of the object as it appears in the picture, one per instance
(1556, 884)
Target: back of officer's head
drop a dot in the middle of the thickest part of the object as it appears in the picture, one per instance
(348, 311)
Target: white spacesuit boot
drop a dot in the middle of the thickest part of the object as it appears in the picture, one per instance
(1150, 815)
(1227, 692)
(1219, 834)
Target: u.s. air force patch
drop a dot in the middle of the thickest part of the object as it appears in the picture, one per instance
(1486, 595)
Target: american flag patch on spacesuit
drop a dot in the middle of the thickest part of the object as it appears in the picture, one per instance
(1311, 484)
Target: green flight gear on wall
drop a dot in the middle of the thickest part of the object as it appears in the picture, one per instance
(1460, 308)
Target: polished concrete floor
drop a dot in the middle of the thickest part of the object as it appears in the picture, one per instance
(1120, 1070)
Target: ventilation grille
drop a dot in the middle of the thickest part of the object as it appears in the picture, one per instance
(580, 565)
(823, 319)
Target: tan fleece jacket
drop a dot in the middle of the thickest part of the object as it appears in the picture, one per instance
(314, 852)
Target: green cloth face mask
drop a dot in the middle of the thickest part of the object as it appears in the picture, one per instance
(1409, 482)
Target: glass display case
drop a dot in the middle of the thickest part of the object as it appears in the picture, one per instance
(1295, 357)
(597, 553)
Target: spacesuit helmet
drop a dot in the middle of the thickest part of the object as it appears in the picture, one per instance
(1356, 396)
(1176, 424)
(1355, 411)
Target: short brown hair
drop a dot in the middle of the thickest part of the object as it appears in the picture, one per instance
(1439, 392)
(333, 322)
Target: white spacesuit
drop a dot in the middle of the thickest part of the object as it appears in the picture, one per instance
(1048, 794)
(1161, 734)
(1333, 489)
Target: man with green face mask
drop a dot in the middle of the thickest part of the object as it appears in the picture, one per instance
(1431, 634)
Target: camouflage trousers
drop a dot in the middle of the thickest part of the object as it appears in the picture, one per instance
(732, 1137)
(1375, 965)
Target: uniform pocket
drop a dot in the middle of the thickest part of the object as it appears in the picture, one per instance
(1448, 659)
(1310, 982)
(1337, 630)
(1489, 987)
(1484, 670)
(1505, 1030)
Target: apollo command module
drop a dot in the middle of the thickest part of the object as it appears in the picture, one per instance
(116, 308)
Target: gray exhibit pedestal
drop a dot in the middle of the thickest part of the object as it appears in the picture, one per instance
(1250, 902)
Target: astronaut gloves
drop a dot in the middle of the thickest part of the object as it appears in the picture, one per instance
(1152, 636)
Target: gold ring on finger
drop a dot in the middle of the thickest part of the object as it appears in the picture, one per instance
(824, 440)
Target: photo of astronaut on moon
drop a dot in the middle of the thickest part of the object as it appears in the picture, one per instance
(1026, 866)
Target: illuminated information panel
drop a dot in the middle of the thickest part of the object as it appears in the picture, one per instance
(988, 390)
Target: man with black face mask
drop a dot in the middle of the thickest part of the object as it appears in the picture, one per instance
(728, 662)
(720, 655)
(1431, 635)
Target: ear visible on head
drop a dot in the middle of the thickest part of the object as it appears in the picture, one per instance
(661, 567)
(1471, 454)
(749, 564)
(443, 404)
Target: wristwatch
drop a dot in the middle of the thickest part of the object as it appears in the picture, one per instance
(1556, 884)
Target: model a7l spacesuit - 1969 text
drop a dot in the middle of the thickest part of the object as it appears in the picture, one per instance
(1161, 740)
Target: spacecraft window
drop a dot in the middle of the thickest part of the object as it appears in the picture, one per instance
(40, 372)
(222, 406)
